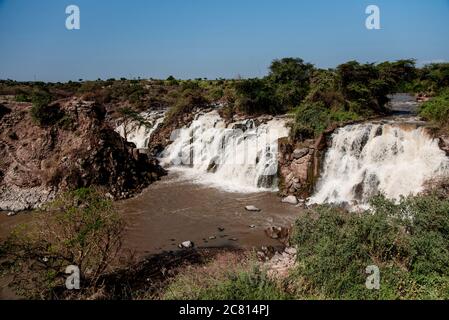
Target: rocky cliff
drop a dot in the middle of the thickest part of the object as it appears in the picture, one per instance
(80, 149)
(300, 164)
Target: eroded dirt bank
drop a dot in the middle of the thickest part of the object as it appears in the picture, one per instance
(80, 149)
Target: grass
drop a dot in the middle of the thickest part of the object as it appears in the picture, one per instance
(227, 277)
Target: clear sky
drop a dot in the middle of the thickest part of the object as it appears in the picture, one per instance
(210, 38)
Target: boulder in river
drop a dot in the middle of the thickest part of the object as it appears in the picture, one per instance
(186, 245)
(290, 200)
(252, 209)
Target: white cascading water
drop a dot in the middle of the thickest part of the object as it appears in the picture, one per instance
(140, 134)
(367, 159)
(240, 157)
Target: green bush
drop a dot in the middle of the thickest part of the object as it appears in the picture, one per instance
(409, 242)
(256, 96)
(22, 98)
(42, 112)
(313, 118)
(437, 109)
(290, 78)
(78, 228)
(432, 78)
(189, 100)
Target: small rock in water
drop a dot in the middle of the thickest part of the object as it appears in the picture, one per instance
(252, 226)
(221, 229)
(12, 213)
(233, 239)
(186, 244)
(252, 208)
(212, 237)
(290, 200)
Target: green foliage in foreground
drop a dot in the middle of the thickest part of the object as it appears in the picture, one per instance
(78, 228)
(251, 284)
(437, 109)
(409, 242)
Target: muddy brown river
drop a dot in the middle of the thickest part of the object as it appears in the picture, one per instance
(174, 210)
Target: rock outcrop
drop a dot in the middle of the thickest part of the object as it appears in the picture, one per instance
(444, 143)
(299, 165)
(80, 150)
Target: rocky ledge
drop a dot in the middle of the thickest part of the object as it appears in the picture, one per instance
(80, 150)
(299, 165)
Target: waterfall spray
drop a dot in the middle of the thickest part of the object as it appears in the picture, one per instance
(367, 159)
(241, 156)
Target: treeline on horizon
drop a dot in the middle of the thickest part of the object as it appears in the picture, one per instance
(318, 97)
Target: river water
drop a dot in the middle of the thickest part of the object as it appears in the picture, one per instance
(175, 210)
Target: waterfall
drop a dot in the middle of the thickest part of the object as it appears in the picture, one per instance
(240, 157)
(367, 159)
(140, 134)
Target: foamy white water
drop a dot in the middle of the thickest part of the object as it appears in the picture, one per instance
(140, 134)
(240, 157)
(367, 159)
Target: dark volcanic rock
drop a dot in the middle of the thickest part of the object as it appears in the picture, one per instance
(3, 111)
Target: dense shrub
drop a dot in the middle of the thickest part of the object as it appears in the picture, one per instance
(432, 78)
(313, 118)
(79, 228)
(256, 96)
(42, 112)
(283, 89)
(22, 98)
(290, 78)
(398, 74)
(437, 109)
(363, 85)
(409, 242)
(189, 100)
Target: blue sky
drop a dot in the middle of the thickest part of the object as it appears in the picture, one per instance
(210, 38)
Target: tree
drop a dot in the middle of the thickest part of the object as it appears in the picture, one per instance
(80, 228)
(291, 79)
(131, 119)
(397, 74)
(364, 90)
(256, 96)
